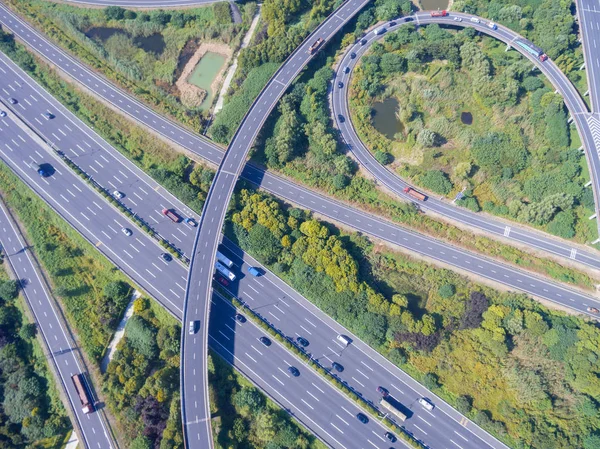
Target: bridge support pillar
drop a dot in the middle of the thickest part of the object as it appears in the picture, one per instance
(570, 119)
(582, 66)
(596, 241)
(592, 217)
(587, 92)
(589, 184)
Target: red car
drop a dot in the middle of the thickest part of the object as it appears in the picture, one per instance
(223, 281)
(383, 392)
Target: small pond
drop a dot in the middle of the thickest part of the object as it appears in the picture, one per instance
(466, 118)
(205, 73)
(384, 117)
(434, 4)
(154, 43)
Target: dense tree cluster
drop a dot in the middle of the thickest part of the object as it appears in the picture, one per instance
(142, 380)
(26, 413)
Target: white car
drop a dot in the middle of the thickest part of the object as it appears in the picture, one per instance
(458, 19)
(192, 329)
(118, 194)
(425, 403)
(127, 232)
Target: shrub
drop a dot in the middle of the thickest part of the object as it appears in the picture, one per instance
(447, 290)
(383, 157)
(436, 181)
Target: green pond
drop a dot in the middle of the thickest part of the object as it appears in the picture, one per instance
(205, 73)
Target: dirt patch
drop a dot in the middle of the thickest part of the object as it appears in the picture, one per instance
(192, 96)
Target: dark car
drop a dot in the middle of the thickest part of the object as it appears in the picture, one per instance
(240, 318)
(293, 371)
(362, 418)
(392, 23)
(12, 100)
(363, 42)
(340, 84)
(166, 257)
(390, 436)
(347, 70)
(48, 115)
(409, 19)
(383, 392)
(265, 341)
(352, 55)
(336, 366)
(341, 118)
(302, 341)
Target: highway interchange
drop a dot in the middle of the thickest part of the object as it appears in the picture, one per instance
(488, 223)
(196, 306)
(64, 145)
(69, 195)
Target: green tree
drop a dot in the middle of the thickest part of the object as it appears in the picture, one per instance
(8, 289)
(114, 13)
(563, 225)
(263, 243)
(427, 138)
(464, 405)
(383, 157)
(249, 398)
(141, 442)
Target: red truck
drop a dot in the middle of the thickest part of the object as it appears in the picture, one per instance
(172, 215)
(412, 192)
(315, 45)
(439, 13)
(84, 396)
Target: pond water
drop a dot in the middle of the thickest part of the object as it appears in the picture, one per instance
(384, 117)
(205, 73)
(154, 43)
(466, 118)
(434, 4)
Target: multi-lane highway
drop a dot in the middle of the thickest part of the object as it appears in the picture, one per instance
(588, 12)
(339, 100)
(199, 286)
(139, 257)
(270, 182)
(62, 351)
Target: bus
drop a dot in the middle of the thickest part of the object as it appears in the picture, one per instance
(224, 271)
(224, 260)
(386, 404)
(532, 49)
(87, 404)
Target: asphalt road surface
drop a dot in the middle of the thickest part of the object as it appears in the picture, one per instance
(589, 23)
(342, 117)
(139, 257)
(271, 183)
(60, 348)
(196, 306)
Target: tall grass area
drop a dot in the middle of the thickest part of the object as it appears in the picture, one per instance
(78, 272)
(31, 412)
(140, 50)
